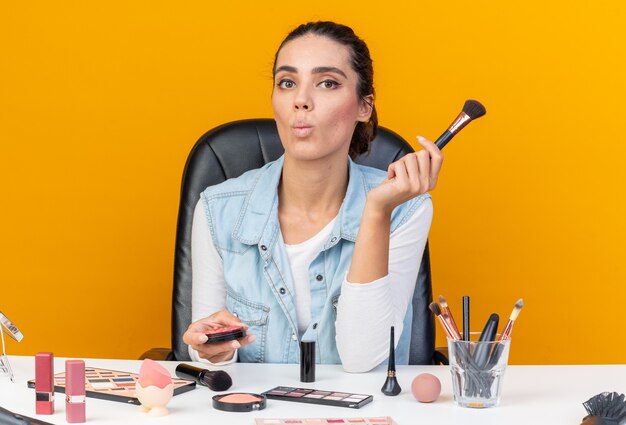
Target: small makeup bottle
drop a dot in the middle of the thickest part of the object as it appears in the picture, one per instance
(44, 384)
(307, 361)
(75, 391)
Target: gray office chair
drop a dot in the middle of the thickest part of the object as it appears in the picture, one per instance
(234, 148)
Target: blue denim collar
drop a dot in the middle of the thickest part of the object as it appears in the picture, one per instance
(258, 218)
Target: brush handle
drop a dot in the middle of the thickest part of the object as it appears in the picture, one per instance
(450, 323)
(392, 352)
(495, 355)
(481, 354)
(444, 139)
(446, 327)
(187, 371)
(506, 333)
(448, 316)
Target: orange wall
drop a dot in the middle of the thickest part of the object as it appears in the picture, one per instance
(101, 102)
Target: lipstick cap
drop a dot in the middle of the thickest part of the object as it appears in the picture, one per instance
(75, 377)
(44, 371)
(44, 383)
(75, 391)
(307, 361)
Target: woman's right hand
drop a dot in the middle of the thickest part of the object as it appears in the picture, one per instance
(195, 336)
(412, 175)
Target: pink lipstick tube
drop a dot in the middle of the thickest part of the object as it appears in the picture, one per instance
(44, 384)
(75, 391)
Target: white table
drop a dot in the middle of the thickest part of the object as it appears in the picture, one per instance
(531, 395)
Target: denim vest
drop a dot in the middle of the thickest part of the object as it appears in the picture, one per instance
(243, 219)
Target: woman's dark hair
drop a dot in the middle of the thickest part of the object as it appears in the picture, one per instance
(361, 63)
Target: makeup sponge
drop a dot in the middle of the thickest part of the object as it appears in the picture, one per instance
(152, 373)
(426, 388)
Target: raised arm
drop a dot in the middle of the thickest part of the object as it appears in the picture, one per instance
(378, 288)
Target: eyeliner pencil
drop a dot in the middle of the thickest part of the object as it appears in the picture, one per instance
(466, 318)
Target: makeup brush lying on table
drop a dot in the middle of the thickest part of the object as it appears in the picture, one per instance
(216, 380)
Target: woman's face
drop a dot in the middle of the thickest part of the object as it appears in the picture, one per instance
(315, 101)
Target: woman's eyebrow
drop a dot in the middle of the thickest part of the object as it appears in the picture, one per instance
(316, 70)
(326, 69)
(286, 68)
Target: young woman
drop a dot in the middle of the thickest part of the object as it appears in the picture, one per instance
(313, 246)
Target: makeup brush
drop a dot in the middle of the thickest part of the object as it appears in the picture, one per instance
(434, 307)
(471, 110)
(445, 310)
(217, 380)
(391, 386)
(605, 409)
(506, 333)
(473, 380)
(482, 351)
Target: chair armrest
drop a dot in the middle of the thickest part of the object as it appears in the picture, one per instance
(158, 354)
(440, 357)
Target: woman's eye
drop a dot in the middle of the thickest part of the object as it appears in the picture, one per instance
(329, 84)
(286, 84)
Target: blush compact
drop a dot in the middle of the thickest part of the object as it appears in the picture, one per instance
(228, 333)
(239, 402)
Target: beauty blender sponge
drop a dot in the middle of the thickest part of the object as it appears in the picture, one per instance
(152, 373)
(426, 388)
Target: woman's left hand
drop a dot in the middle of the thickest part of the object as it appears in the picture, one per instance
(412, 175)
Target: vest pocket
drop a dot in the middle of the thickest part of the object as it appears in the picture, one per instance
(255, 315)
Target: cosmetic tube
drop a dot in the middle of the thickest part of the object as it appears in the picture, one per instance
(75, 391)
(307, 361)
(44, 384)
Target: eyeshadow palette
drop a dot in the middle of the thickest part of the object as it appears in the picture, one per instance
(113, 385)
(328, 398)
(386, 420)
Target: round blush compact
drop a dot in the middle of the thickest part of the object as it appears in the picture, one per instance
(239, 402)
(228, 333)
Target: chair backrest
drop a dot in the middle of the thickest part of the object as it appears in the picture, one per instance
(230, 150)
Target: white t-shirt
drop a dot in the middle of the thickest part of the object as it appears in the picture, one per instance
(300, 258)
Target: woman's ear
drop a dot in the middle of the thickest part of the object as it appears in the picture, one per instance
(366, 106)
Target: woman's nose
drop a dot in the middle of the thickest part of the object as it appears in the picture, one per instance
(303, 100)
